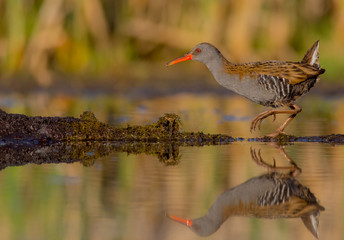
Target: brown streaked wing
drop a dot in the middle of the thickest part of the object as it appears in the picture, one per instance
(294, 72)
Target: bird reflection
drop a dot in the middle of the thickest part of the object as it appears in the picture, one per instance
(272, 195)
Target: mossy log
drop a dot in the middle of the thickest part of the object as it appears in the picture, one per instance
(89, 128)
(40, 140)
(18, 127)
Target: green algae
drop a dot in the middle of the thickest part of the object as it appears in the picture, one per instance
(55, 140)
(89, 128)
(167, 129)
(84, 152)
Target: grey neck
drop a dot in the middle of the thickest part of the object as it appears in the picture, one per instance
(215, 65)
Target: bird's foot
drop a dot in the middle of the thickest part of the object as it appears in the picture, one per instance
(294, 170)
(257, 121)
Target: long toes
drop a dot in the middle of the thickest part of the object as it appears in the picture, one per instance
(255, 154)
(256, 124)
(260, 155)
(259, 123)
(253, 126)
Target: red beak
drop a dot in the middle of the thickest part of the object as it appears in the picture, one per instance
(186, 57)
(186, 222)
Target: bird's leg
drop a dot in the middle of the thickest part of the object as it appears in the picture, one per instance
(294, 111)
(257, 121)
(257, 157)
(295, 169)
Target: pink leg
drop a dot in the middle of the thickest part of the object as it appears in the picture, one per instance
(294, 170)
(257, 121)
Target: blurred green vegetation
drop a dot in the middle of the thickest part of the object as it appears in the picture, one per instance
(46, 40)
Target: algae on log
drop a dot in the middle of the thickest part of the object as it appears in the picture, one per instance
(89, 128)
(13, 153)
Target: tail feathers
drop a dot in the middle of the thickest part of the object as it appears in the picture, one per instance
(312, 56)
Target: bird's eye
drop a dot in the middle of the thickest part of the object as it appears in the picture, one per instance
(198, 50)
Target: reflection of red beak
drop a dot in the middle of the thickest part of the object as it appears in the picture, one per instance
(186, 57)
(186, 222)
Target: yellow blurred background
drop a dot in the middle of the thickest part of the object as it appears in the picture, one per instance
(49, 42)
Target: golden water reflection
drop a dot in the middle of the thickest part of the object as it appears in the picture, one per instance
(125, 196)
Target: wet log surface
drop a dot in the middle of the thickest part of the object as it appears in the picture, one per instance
(88, 128)
(18, 127)
(40, 140)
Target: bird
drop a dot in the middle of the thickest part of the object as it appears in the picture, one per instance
(272, 195)
(271, 83)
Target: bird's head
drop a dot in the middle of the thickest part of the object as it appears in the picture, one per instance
(201, 226)
(202, 52)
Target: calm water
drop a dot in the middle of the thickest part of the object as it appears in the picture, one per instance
(125, 196)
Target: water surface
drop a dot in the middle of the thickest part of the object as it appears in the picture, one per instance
(121, 196)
